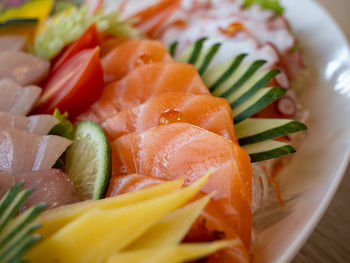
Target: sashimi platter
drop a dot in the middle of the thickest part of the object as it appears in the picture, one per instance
(156, 131)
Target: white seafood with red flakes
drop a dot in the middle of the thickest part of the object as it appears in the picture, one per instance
(17, 99)
(255, 31)
(22, 151)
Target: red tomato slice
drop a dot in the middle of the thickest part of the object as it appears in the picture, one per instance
(90, 39)
(76, 85)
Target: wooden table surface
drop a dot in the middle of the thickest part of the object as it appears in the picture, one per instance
(330, 242)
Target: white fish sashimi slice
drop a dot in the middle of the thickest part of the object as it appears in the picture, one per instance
(49, 150)
(22, 67)
(25, 100)
(12, 43)
(9, 90)
(51, 186)
(22, 151)
(14, 121)
(6, 181)
(17, 150)
(41, 124)
(38, 124)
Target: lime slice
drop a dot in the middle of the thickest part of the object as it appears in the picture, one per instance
(88, 160)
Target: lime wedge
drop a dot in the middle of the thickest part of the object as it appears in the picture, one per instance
(88, 160)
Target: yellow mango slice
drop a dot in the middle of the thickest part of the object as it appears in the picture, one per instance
(54, 219)
(170, 254)
(172, 228)
(100, 233)
(38, 9)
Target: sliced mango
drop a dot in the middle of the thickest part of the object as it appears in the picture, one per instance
(55, 219)
(38, 9)
(170, 254)
(100, 233)
(172, 228)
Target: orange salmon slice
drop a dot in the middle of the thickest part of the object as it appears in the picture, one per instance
(183, 150)
(143, 83)
(124, 57)
(210, 113)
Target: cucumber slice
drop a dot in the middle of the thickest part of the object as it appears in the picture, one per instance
(257, 102)
(88, 160)
(192, 53)
(217, 75)
(252, 131)
(172, 48)
(206, 57)
(267, 150)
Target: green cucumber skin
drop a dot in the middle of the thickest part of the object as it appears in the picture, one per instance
(288, 128)
(268, 98)
(172, 48)
(208, 58)
(250, 72)
(197, 48)
(228, 72)
(271, 154)
(259, 85)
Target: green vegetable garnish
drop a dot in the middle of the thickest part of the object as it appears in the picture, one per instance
(16, 232)
(69, 25)
(64, 128)
(267, 4)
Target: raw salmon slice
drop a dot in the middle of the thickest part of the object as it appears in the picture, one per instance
(38, 124)
(210, 113)
(183, 150)
(22, 151)
(131, 54)
(143, 83)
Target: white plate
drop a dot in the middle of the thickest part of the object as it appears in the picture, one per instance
(317, 169)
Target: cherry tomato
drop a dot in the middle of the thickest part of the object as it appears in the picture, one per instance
(76, 85)
(90, 39)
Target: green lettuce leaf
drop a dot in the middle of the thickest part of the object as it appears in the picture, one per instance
(64, 128)
(67, 26)
(267, 4)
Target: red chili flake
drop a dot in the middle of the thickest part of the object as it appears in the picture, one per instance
(232, 29)
(180, 23)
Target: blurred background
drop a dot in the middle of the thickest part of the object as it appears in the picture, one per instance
(330, 242)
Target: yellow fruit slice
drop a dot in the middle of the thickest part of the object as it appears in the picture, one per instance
(172, 228)
(55, 219)
(100, 233)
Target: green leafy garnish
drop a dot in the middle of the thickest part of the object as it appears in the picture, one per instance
(16, 232)
(67, 26)
(64, 128)
(267, 4)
